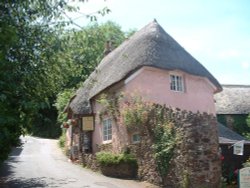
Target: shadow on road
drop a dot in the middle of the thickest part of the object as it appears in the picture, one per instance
(25, 183)
(6, 168)
(7, 172)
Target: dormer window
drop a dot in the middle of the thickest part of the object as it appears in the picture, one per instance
(176, 83)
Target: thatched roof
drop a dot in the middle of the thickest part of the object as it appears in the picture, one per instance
(150, 46)
(227, 136)
(234, 99)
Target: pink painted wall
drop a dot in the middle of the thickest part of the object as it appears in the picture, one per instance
(120, 136)
(97, 134)
(154, 85)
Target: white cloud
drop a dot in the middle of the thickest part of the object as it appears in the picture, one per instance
(192, 44)
(245, 65)
(242, 78)
(231, 53)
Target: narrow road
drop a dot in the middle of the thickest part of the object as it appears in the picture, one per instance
(40, 163)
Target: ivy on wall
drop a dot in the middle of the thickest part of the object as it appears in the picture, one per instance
(110, 105)
(137, 114)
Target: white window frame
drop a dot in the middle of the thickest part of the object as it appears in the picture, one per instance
(137, 140)
(107, 130)
(176, 83)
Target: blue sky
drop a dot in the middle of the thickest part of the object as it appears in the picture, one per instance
(215, 32)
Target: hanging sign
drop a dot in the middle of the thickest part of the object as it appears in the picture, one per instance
(88, 123)
(239, 148)
(244, 177)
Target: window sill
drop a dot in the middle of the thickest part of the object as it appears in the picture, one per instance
(136, 142)
(177, 91)
(107, 141)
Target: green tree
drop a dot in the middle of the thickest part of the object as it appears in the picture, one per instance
(247, 134)
(248, 120)
(83, 52)
(62, 100)
(30, 73)
(84, 49)
(39, 59)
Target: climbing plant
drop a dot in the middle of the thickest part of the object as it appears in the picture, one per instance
(164, 144)
(135, 112)
(138, 113)
(110, 105)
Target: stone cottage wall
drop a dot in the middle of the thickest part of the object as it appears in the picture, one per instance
(89, 161)
(196, 158)
(196, 161)
(147, 168)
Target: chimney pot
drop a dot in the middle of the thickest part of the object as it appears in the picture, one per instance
(108, 46)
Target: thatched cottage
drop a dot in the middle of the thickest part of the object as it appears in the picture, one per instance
(152, 65)
(232, 108)
(233, 105)
(227, 138)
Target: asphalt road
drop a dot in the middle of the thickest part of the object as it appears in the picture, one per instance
(40, 163)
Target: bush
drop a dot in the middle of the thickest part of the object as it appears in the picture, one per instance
(247, 163)
(107, 158)
(62, 140)
(117, 165)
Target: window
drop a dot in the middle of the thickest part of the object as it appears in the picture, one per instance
(107, 129)
(136, 138)
(176, 83)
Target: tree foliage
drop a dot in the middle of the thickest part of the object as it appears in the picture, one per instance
(39, 59)
(27, 44)
(248, 120)
(247, 133)
(62, 100)
(83, 52)
(84, 49)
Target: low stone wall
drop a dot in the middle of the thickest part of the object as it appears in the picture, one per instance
(89, 161)
(122, 170)
(106, 147)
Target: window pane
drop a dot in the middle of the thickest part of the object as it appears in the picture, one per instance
(109, 137)
(176, 83)
(172, 84)
(136, 138)
(107, 129)
(109, 132)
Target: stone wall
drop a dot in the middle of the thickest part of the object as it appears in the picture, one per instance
(147, 168)
(196, 161)
(89, 161)
(196, 158)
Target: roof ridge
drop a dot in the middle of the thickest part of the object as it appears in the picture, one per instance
(150, 46)
(235, 85)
